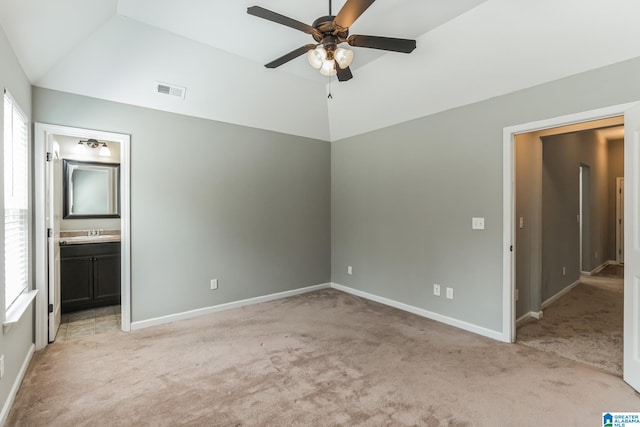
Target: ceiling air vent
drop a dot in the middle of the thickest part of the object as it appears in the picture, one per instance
(172, 90)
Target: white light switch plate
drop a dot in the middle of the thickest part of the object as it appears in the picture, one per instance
(477, 223)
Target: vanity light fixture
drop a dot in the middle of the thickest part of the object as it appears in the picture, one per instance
(93, 143)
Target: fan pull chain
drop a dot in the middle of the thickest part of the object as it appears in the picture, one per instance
(329, 96)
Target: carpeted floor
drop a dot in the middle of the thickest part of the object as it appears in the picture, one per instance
(320, 359)
(585, 324)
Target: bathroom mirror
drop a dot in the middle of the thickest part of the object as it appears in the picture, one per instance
(91, 189)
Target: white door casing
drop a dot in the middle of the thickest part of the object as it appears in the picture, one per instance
(42, 132)
(631, 366)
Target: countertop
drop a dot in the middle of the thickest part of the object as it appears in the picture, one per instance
(82, 240)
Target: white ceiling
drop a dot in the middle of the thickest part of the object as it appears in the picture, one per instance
(468, 50)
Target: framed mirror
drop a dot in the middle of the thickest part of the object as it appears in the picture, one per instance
(91, 189)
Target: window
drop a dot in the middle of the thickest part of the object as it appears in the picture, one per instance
(16, 202)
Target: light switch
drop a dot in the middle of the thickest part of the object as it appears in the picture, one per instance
(477, 223)
(521, 222)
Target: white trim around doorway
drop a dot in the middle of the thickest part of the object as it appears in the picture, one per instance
(508, 193)
(41, 132)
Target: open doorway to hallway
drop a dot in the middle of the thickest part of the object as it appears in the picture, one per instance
(568, 274)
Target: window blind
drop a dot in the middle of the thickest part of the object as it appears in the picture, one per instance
(16, 202)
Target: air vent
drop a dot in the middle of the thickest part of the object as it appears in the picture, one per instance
(171, 90)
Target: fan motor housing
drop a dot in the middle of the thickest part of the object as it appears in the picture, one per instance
(324, 24)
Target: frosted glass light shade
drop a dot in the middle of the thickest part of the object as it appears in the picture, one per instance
(316, 56)
(343, 57)
(328, 68)
(104, 151)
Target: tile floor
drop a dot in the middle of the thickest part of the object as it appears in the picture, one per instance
(80, 324)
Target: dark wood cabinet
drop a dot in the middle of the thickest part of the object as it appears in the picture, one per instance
(89, 275)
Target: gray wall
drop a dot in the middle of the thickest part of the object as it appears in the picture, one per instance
(15, 342)
(212, 200)
(616, 169)
(562, 156)
(403, 197)
(528, 238)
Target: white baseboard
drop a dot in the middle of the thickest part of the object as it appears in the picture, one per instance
(599, 268)
(555, 297)
(496, 335)
(532, 314)
(16, 386)
(221, 307)
(536, 314)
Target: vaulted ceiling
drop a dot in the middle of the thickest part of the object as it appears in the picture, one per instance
(467, 51)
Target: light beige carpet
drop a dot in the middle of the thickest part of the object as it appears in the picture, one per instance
(585, 324)
(320, 359)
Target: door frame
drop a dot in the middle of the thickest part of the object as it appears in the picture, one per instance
(42, 132)
(508, 205)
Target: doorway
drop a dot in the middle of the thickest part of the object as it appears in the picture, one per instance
(582, 311)
(631, 331)
(48, 141)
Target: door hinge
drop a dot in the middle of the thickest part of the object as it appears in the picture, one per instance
(49, 156)
(49, 232)
(511, 248)
(50, 308)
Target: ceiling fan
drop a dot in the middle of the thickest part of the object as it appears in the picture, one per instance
(328, 32)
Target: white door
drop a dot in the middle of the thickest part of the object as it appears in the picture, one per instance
(632, 248)
(53, 183)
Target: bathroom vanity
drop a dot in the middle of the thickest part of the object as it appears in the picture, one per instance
(89, 273)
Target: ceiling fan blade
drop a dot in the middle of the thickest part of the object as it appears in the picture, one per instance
(263, 13)
(382, 43)
(289, 56)
(351, 11)
(344, 74)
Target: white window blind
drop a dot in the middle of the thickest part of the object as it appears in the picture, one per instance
(16, 202)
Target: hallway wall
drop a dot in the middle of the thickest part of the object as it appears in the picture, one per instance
(562, 156)
(616, 169)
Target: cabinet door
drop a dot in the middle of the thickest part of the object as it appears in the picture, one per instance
(76, 276)
(107, 278)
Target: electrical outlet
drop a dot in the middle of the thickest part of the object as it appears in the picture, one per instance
(349, 270)
(214, 284)
(477, 223)
(517, 294)
(436, 290)
(449, 293)
(1, 366)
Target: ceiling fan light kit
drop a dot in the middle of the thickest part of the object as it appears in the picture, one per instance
(328, 32)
